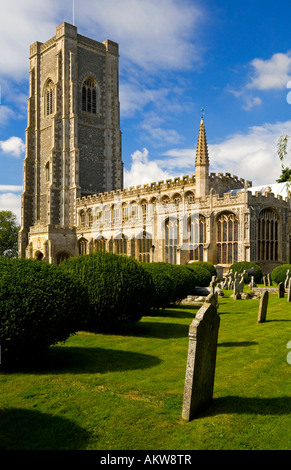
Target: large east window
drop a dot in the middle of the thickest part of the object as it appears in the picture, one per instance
(227, 238)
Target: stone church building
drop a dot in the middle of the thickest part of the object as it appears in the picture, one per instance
(73, 199)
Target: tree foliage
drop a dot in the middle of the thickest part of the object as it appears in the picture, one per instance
(9, 229)
(282, 150)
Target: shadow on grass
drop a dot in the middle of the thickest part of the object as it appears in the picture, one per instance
(231, 344)
(247, 405)
(77, 360)
(181, 312)
(153, 329)
(22, 429)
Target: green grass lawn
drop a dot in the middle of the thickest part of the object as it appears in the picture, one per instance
(125, 391)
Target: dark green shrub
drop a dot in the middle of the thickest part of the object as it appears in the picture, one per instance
(204, 264)
(279, 274)
(119, 288)
(183, 279)
(39, 306)
(203, 276)
(245, 265)
(164, 286)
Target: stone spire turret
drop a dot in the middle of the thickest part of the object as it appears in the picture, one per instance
(202, 148)
(202, 163)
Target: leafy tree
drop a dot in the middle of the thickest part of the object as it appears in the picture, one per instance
(9, 229)
(285, 175)
(282, 153)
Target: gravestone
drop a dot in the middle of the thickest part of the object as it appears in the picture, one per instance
(263, 307)
(281, 290)
(287, 279)
(252, 283)
(289, 291)
(200, 370)
(269, 279)
(212, 299)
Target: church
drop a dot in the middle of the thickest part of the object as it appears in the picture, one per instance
(73, 199)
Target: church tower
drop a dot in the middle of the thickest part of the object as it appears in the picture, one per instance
(202, 163)
(73, 138)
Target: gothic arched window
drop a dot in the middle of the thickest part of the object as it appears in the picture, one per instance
(197, 231)
(82, 246)
(227, 238)
(89, 96)
(144, 245)
(121, 245)
(268, 239)
(171, 241)
(100, 244)
(48, 98)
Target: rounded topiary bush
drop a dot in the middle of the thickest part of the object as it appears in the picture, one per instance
(203, 275)
(204, 264)
(39, 306)
(279, 273)
(119, 289)
(172, 282)
(163, 284)
(245, 265)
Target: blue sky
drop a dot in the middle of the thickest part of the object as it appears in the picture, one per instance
(176, 56)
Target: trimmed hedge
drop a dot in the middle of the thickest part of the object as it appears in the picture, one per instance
(202, 274)
(245, 265)
(279, 273)
(164, 285)
(204, 264)
(172, 283)
(39, 306)
(119, 288)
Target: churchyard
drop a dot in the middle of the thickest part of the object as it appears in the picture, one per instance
(124, 390)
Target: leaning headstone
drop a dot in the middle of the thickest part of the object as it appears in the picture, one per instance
(281, 290)
(265, 281)
(269, 279)
(212, 299)
(200, 371)
(289, 291)
(263, 307)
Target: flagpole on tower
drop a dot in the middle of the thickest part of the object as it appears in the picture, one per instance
(74, 12)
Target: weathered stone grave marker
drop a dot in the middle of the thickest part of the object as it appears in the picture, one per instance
(263, 307)
(212, 299)
(200, 370)
(281, 290)
(289, 291)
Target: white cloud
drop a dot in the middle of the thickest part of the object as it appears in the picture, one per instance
(252, 156)
(271, 74)
(264, 75)
(10, 187)
(21, 24)
(151, 34)
(6, 113)
(143, 171)
(251, 102)
(13, 146)
(11, 202)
